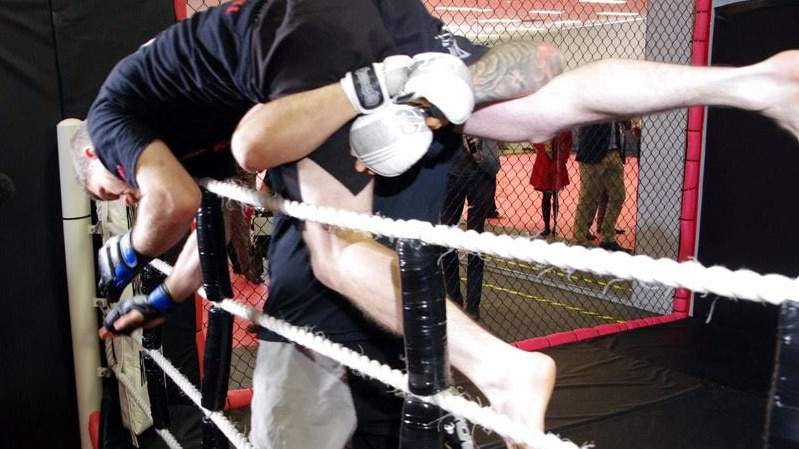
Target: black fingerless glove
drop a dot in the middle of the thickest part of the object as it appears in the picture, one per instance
(157, 304)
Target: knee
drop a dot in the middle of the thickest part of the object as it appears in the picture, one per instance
(547, 369)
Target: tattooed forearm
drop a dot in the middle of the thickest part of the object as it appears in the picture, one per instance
(513, 69)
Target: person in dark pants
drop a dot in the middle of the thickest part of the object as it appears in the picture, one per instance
(600, 156)
(471, 177)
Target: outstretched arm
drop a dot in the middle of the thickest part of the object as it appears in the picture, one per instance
(619, 89)
(523, 94)
(291, 127)
(514, 69)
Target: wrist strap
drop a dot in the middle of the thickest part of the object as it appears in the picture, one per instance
(161, 299)
(363, 89)
(130, 256)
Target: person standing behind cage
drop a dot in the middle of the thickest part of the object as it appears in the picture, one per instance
(629, 145)
(599, 154)
(471, 177)
(550, 175)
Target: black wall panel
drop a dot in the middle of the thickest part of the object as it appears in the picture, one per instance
(51, 63)
(92, 35)
(37, 393)
(748, 216)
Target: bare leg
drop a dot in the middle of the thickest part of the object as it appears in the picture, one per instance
(517, 383)
(617, 89)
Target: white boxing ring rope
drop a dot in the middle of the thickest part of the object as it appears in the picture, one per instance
(740, 284)
(447, 400)
(229, 429)
(133, 393)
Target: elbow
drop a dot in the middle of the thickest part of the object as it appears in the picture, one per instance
(256, 153)
(256, 141)
(246, 151)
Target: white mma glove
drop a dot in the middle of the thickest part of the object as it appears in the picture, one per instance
(373, 86)
(445, 81)
(391, 140)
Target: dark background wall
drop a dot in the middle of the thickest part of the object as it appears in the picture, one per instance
(53, 57)
(749, 215)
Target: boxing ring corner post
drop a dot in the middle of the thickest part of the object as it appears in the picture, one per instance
(76, 217)
(425, 336)
(212, 246)
(782, 422)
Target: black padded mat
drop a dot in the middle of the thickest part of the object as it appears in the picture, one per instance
(733, 357)
(594, 383)
(708, 417)
(686, 384)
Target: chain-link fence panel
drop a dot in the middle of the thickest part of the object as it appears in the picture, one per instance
(622, 195)
(628, 200)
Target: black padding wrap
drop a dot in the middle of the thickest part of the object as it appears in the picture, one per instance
(213, 437)
(213, 248)
(152, 279)
(156, 382)
(424, 317)
(367, 87)
(456, 433)
(219, 338)
(216, 372)
(216, 365)
(783, 412)
(419, 427)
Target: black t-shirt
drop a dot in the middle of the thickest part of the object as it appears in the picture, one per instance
(295, 294)
(189, 87)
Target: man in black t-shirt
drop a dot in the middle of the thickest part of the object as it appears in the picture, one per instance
(119, 129)
(298, 297)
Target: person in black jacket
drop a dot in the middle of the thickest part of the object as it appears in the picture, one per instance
(471, 179)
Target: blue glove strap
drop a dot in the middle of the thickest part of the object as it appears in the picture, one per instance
(129, 256)
(161, 300)
(123, 274)
(132, 261)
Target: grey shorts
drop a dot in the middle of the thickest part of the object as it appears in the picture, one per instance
(300, 400)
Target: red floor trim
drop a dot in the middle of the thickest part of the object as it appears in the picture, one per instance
(560, 338)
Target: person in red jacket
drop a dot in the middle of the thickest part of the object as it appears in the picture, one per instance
(550, 175)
